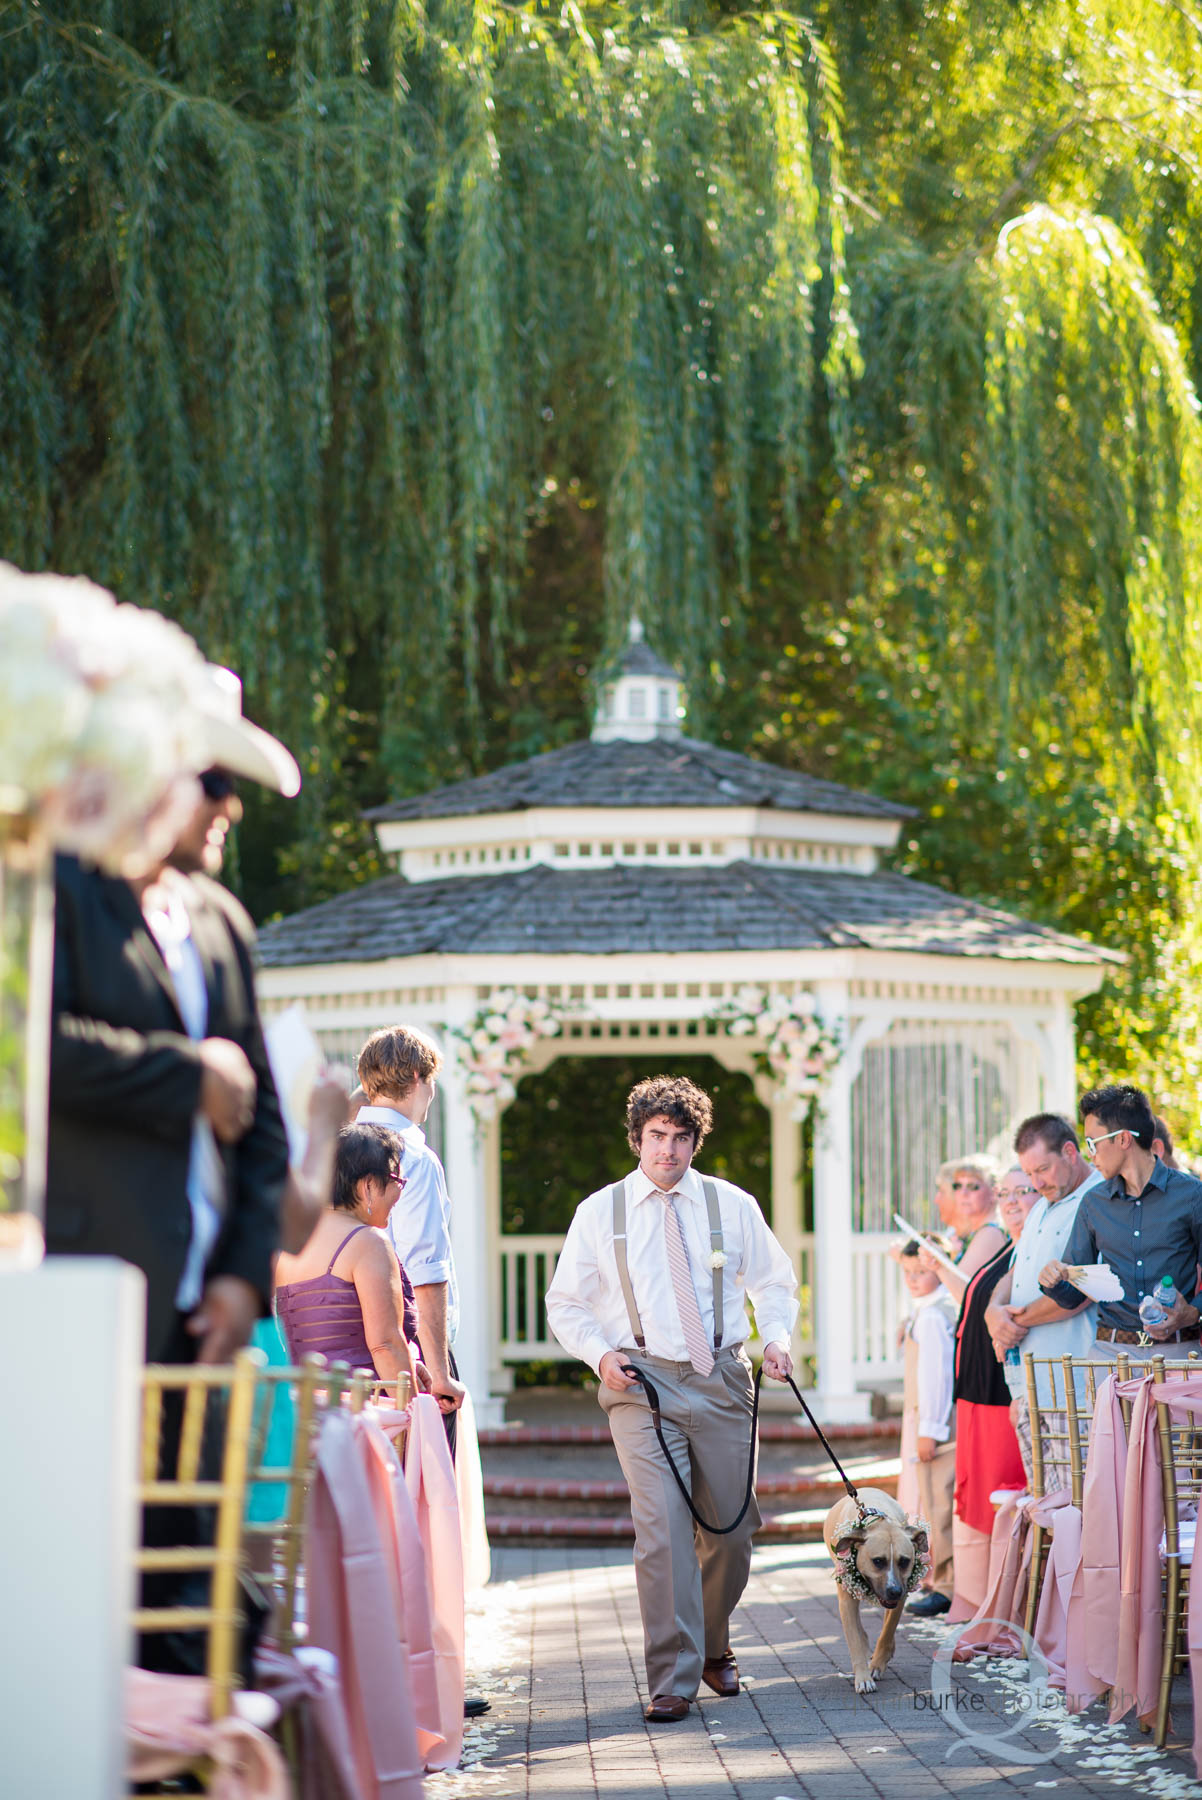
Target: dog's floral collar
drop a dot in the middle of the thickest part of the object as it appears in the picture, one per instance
(850, 1579)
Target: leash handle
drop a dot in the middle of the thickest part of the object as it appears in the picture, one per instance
(652, 1394)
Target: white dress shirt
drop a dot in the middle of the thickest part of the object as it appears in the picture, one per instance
(585, 1308)
(420, 1222)
(171, 929)
(1044, 1239)
(932, 1325)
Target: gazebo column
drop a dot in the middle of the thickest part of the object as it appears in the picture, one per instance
(470, 1154)
(836, 1396)
(786, 1208)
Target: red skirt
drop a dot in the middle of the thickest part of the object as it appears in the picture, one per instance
(987, 1457)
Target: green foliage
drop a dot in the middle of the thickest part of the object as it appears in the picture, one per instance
(400, 351)
(312, 307)
(553, 1153)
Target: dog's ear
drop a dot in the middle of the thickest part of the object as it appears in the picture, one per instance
(919, 1539)
(850, 1539)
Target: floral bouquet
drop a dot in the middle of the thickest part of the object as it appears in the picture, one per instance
(102, 730)
(99, 706)
(799, 1049)
(497, 1043)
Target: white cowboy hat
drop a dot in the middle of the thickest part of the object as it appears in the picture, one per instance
(232, 742)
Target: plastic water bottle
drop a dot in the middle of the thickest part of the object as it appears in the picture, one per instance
(1155, 1308)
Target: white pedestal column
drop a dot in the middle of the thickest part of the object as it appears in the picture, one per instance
(472, 1233)
(71, 1345)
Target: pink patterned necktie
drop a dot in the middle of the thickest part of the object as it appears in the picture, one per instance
(696, 1343)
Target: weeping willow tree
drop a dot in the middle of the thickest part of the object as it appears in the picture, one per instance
(350, 287)
(401, 352)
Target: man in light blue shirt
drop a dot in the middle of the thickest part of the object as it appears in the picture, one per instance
(1020, 1316)
(398, 1071)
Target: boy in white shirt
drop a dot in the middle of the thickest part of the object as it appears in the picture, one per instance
(930, 1345)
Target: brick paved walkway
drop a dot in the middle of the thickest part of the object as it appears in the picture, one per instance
(557, 1643)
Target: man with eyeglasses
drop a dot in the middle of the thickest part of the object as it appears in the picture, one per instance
(1142, 1218)
(1020, 1316)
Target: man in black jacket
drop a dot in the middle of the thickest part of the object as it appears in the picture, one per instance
(167, 1148)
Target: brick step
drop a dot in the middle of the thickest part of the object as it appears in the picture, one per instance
(800, 1486)
(801, 1527)
(772, 1431)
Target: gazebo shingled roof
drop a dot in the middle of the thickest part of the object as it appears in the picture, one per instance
(660, 773)
(633, 907)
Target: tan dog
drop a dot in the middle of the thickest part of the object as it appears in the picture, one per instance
(886, 1546)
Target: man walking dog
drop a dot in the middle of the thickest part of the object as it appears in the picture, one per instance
(652, 1275)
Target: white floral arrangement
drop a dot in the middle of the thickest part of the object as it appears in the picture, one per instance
(799, 1049)
(99, 706)
(497, 1044)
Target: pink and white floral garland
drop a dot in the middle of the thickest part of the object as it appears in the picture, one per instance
(496, 1045)
(799, 1049)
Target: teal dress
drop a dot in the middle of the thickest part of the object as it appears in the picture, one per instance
(267, 1501)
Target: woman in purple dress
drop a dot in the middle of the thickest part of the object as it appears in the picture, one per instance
(345, 1296)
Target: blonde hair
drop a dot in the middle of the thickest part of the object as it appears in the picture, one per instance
(393, 1059)
(982, 1166)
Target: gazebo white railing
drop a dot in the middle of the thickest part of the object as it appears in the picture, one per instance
(526, 1264)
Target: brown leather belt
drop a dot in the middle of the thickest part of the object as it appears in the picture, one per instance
(1110, 1334)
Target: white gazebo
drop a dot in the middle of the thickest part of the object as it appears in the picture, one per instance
(635, 887)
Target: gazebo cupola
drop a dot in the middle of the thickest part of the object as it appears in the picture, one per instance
(640, 697)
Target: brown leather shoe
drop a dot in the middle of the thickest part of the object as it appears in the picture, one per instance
(721, 1674)
(667, 1709)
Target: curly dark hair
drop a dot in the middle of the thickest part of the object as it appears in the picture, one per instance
(674, 1097)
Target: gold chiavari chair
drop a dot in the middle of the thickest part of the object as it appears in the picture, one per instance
(275, 1545)
(397, 1391)
(1136, 1368)
(195, 1435)
(1060, 1428)
(1180, 1446)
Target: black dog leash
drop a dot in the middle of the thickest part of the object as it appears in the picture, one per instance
(649, 1388)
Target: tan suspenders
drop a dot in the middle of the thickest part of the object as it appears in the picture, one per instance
(714, 1212)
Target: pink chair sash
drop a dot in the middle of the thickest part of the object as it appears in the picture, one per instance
(399, 1531)
(989, 1631)
(1186, 1397)
(469, 1489)
(1057, 1514)
(167, 1726)
(352, 1613)
(1137, 1675)
(1092, 1616)
(430, 1477)
(304, 1684)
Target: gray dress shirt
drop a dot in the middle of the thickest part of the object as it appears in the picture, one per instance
(1142, 1236)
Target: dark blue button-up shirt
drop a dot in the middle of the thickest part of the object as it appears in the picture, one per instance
(1143, 1237)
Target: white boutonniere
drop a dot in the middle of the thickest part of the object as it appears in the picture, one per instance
(717, 1259)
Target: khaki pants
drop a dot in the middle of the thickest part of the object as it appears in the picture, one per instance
(936, 1490)
(689, 1581)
